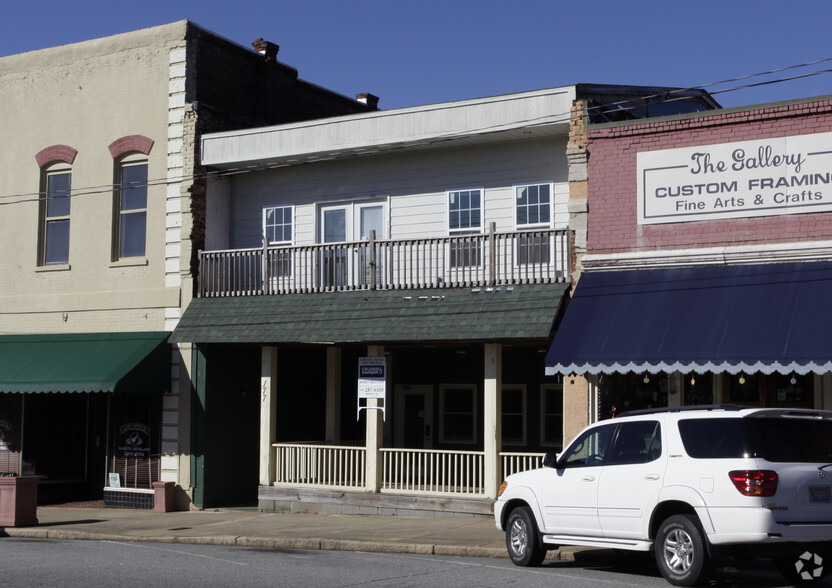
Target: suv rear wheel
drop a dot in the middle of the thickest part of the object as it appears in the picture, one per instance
(680, 551)
(522, 539)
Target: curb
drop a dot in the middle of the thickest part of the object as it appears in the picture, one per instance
(284, 543)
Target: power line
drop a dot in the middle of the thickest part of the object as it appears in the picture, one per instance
(613, 107)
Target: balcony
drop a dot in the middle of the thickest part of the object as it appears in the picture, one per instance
(481, 260)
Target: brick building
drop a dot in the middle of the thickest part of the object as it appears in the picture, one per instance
(708, 262)
(103, 212)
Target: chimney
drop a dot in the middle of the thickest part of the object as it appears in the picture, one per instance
(368, 99)
(266, 49)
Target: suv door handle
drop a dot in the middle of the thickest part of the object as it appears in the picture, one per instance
(588, 478)
(651, 477)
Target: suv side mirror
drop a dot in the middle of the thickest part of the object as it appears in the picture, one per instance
(550, 461)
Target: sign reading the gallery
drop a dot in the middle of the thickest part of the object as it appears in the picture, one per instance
(787, 175)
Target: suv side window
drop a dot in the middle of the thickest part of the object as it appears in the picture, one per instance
(715, 438)
(590, 448)
(637, 442)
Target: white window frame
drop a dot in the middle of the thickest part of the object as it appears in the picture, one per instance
(291, 208)
(461, 232)
(472, 388)
(521, 388)
(544, 388)
(130, 160)
(540, 225)
(53, 170)
(466, 230)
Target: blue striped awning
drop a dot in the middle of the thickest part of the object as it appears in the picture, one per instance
(731, 318)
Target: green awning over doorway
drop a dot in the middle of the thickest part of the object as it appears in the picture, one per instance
(507, 313)
(85, 362)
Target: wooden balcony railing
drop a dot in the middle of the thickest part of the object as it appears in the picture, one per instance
(492, 259)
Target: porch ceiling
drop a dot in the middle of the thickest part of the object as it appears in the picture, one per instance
(377, 316)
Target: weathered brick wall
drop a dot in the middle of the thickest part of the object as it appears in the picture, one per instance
(612, 224)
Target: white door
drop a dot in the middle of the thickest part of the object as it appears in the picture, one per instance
(570, 500)
(336, 227)
(342, 265)
(368, 218)
(630, 483)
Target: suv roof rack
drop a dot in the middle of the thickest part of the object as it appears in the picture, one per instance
(732, 407)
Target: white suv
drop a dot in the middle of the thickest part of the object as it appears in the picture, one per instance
(692, 484)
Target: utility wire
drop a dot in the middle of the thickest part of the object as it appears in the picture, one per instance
(613, 107)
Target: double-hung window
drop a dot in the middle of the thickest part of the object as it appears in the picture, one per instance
(465, 218)
(55, 209)
(131, 209)
(551, 415)
(278, 230)
(514, 415)
(458, 412)
(533, 210)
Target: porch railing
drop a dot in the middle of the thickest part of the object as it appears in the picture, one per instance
(331, 466)
(513, 462)
(405, 471)
(491, 259)
(430, 471)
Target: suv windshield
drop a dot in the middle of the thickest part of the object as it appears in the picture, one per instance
(772, 439)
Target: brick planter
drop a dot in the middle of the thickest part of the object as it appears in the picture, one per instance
(164, 496)
(18, 501)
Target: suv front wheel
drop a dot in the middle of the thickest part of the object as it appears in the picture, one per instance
(522, 539)
(680, 551)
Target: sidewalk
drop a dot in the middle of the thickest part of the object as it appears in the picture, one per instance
(476, 537)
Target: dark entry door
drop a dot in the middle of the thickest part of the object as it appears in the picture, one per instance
(65, 442)
(415, 417)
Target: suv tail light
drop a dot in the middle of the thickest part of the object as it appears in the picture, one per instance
(754, 482)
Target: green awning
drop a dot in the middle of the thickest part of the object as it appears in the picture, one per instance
(86, 362)
(510, 313)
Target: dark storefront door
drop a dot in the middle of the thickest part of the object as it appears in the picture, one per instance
(64, 442)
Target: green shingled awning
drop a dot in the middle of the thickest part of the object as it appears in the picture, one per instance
(85, 362)
(524, 312)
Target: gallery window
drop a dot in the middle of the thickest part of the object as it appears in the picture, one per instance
(131, 209)
(55, 208)
(458, 410)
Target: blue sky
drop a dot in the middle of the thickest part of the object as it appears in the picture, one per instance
(411, 52)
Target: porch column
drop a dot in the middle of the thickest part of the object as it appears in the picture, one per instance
(268, 413)
(333, 394)
(375, 433)
(580, 405)
(493, 410)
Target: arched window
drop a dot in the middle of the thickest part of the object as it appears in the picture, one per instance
(130, 196)
(55, 204)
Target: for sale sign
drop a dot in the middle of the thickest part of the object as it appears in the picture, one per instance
(372, 377)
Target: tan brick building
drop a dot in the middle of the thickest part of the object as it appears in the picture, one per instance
(102, 213)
